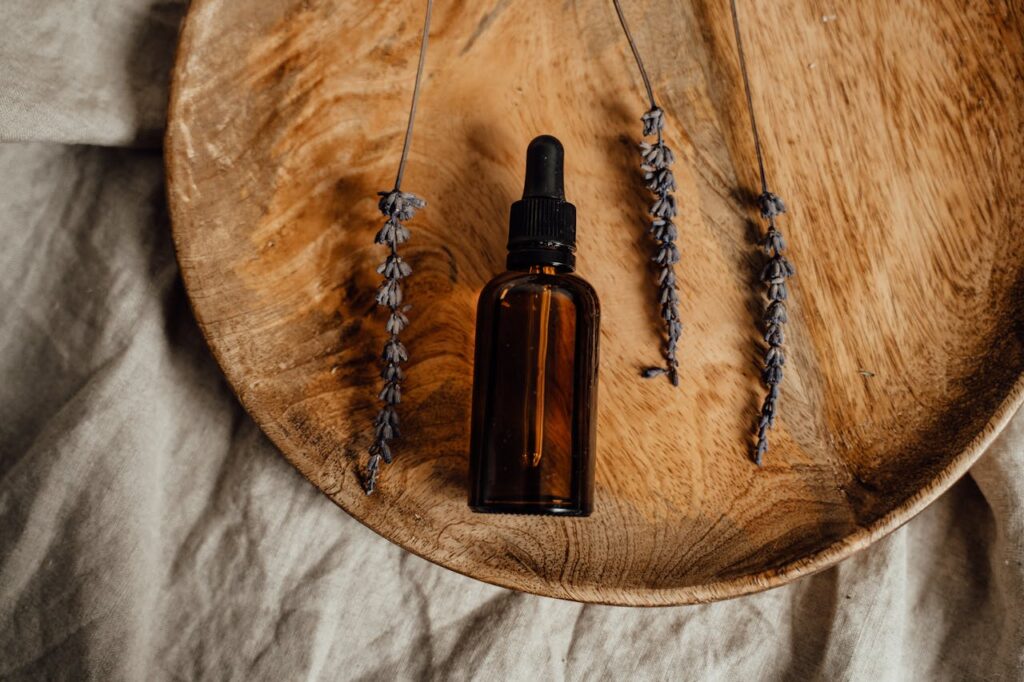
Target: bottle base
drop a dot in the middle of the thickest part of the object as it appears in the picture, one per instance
(530, 508)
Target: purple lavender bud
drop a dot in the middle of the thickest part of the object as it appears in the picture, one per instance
(394, 268)
(385, 450)
(774, 335)
(772, 374)
(660, 181)
(776, 270)
(664, 230)
(777, 291)
(391, 393)
(667, 254)
(656, 155)
(654, 121)
(387, 201)
(390, 293)
(773, 242)
(776, 313)
(771, 205)
(394, 351)
(396, 322)
(392, 233)
(664, 207)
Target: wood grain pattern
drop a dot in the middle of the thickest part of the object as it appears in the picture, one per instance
(894, 130)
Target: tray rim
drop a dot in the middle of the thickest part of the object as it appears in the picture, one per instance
(701, 593)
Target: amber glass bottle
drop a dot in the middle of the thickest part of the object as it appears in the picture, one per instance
(535, 374)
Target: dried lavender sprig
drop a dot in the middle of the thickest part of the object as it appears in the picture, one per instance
(775, 273)
(397, 207)
(656, 162)
(656, 166)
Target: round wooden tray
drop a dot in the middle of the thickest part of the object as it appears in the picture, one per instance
(895, 132)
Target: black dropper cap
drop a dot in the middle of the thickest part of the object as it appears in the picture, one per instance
(542, 225)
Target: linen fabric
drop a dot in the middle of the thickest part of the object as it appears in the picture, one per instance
(149, 531)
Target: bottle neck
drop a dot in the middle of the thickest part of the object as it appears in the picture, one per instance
(558, 259)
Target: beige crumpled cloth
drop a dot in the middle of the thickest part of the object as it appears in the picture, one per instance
(149, 531)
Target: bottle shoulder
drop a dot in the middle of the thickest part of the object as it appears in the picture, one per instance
(585, 288)
(571, 284)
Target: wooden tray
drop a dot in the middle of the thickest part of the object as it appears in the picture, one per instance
(895, 132)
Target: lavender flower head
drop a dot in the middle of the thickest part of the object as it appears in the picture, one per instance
(774, 275)
(397, 207)
(656, 159)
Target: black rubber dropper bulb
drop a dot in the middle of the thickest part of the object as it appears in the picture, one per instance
(542, 225)
(545, 168)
